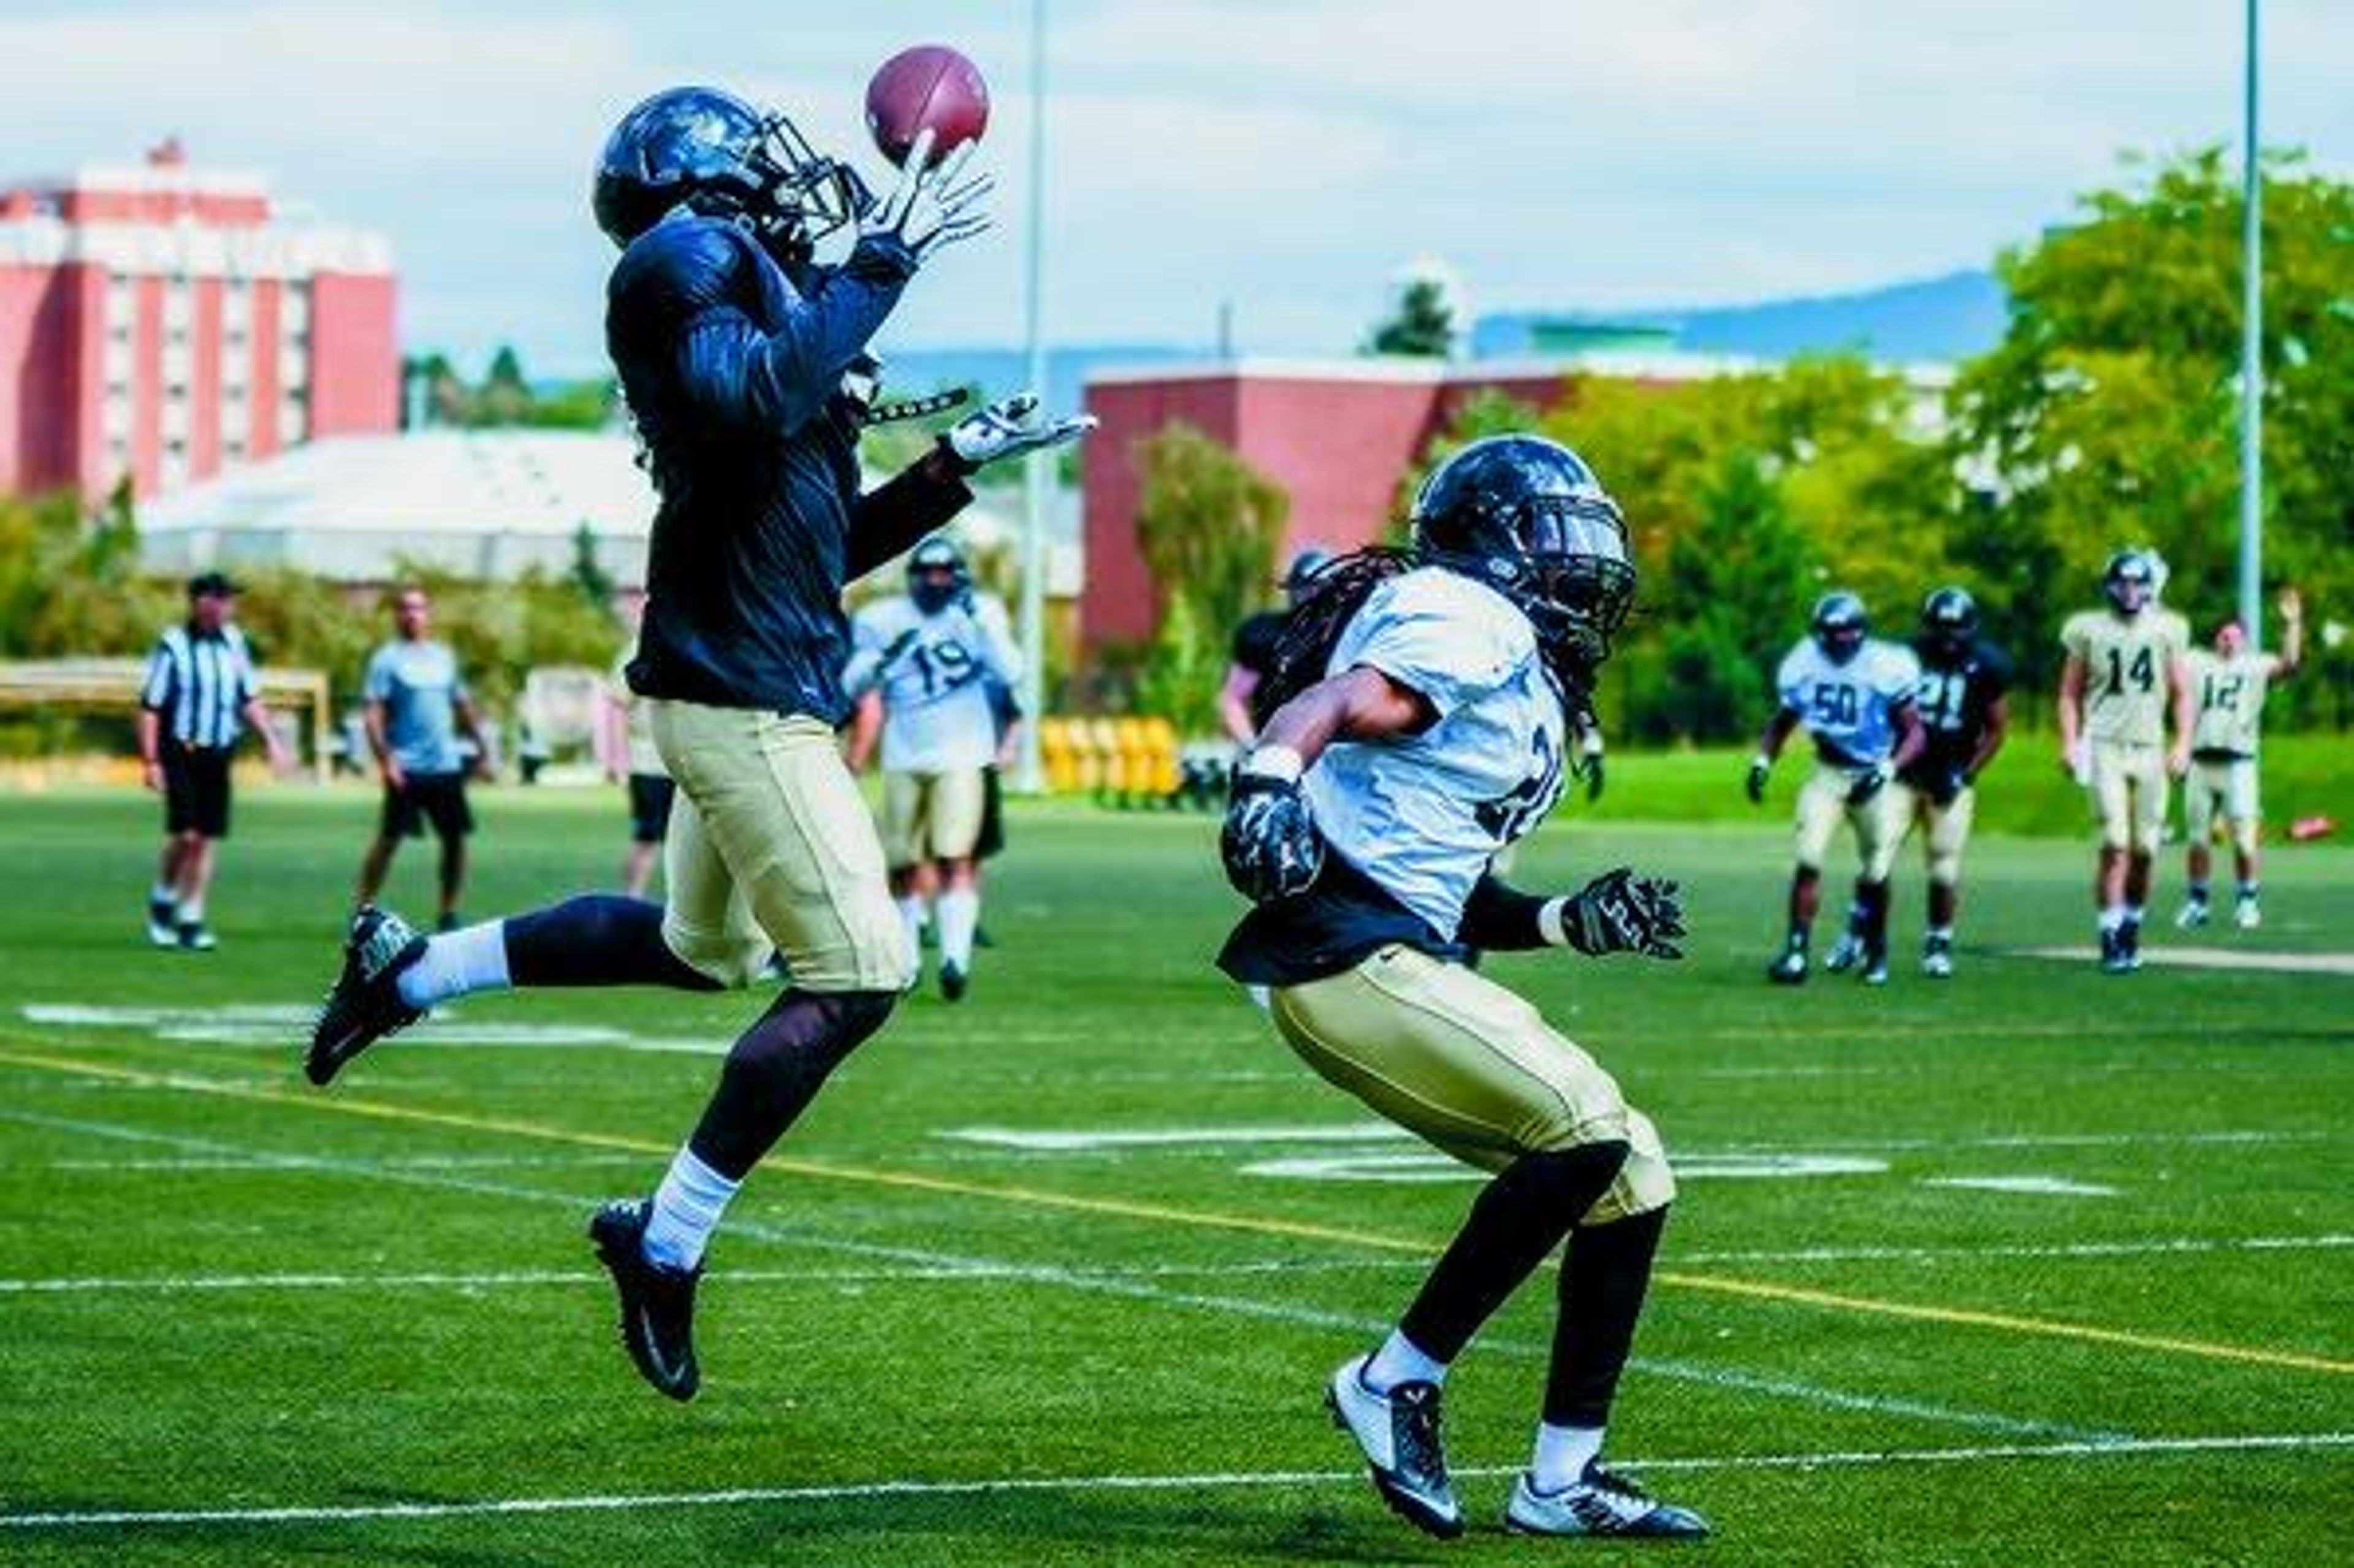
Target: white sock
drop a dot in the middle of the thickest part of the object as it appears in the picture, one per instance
(2113, 916)
(912, 915)
(1399, 1360)
(960, 915)
(1941, 933)
(687, 1206)
(457, 963)
(1563, 1453)
(2133, 914)
(163, 893)
(191, 912)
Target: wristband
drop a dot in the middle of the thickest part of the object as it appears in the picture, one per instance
(1281, 763)
(1552, 922)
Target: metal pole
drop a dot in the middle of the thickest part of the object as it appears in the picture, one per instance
(1038, 468)
(2252, 363)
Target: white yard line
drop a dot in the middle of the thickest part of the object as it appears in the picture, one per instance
(737, 1497)
(1294, 1314)
(1272, 1268)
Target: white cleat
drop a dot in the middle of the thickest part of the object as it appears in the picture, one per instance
(1600, 1503)
(1398, 1434)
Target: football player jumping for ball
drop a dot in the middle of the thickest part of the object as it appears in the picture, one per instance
(1415, 725)
(744, 363)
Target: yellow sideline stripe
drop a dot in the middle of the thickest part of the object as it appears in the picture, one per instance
(1200, 1218)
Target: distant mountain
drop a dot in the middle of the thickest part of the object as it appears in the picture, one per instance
(1948, 318)
(911, 372)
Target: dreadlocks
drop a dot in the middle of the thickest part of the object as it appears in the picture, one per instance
(1303, 649)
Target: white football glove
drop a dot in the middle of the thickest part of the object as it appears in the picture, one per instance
(1008, 427)
(931, 207)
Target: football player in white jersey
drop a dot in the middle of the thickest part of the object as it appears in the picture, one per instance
(2120, 688)
(1422, 705)
(1854, 695)
(931, 656)
(2228, 688)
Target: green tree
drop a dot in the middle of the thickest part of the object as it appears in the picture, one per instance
(2108, 415)
(1208, 525)
(1422, 326)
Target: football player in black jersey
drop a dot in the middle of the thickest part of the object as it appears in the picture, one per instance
(1965, 714)
(1255, 644)
(745, 364)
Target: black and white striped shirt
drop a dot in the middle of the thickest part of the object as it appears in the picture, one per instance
(200, 685)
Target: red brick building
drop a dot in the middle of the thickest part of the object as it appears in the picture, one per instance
(162, 322)
(1337, 436)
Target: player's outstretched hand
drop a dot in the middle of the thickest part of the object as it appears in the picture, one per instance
(1008, 427)
(1759, 769)
(1867, 784)
(931, 207)
(1591, 765)
(1619, 912)
(1269, 844)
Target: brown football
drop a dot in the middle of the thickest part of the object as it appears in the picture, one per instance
(928, 85)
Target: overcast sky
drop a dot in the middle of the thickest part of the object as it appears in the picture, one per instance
(1288, 157)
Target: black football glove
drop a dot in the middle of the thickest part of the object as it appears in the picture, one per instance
(1756, 783)
(1269, 844)
(1946, 786)
(1619, 912)
(1867, 784)
(1592, 769)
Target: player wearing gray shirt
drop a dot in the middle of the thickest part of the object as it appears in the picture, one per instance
(417, 706)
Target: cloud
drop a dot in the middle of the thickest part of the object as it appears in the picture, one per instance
(1285, 156)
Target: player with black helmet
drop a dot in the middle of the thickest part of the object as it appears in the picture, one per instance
(1414, 723)
(1965, 710)
(1255, 645)
(745, 366)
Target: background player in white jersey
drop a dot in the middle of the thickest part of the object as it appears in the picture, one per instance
(930, 655)
(1964, 707)
(2227, 688)
(2121, 679)
(1420, 704)
(1853, 694)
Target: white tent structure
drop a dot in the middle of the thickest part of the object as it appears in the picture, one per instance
(483, 504)
(486, 505)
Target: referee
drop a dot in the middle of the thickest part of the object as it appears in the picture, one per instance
(199, 696)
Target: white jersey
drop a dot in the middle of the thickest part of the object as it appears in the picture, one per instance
(1848, 708)
(1421, 814)
(934, 672)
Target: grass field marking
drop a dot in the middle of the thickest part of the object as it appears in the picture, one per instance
(941, 1265)
(1964, 1316)
(869, 1492)
(1200, 1218)
(1286, 1266)
(2212, 958)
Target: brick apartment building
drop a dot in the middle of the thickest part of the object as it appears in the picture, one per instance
(164, 322)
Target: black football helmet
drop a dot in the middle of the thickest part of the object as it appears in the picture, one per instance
(1839, 624)
(1526, 516)
(2130, 580)
(1949, 618)
(938, 574)
(717, 153)
(1300, 578)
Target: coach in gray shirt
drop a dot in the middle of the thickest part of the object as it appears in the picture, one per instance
(417, 705)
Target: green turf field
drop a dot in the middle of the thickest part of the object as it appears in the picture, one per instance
(2033, 1267)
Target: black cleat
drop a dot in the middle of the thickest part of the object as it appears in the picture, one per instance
(1846, 953)
(195, 936)
(1599, 1503)
(954, 982)
(2113, 959)
(163, 923)
(657, 1303)
(1398, 1434)
(365, 1005)
(1790, 969)
(2129, 943)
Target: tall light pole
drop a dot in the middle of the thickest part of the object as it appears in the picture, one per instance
(1038, 468)
(2251, 361)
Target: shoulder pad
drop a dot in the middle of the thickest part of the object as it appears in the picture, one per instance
(686, 263)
